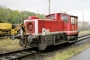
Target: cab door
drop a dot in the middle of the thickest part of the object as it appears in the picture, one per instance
(74, 23)
(66, 19)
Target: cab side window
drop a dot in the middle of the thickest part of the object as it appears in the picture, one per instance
(73, 20)
(65, 18)
(52, 17)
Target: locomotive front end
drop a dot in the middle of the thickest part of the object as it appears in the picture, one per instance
(30, 32)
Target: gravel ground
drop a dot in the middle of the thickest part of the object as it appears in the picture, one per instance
(52, 50)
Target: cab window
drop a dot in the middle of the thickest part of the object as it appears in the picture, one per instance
(52, 17)
(73, 20)
(65, 18)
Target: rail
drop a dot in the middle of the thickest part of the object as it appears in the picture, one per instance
(18, 54)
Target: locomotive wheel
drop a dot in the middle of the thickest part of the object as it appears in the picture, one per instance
(21, 43)
(29, 38)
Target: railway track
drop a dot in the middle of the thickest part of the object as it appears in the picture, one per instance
(83, 37)
(20, 54)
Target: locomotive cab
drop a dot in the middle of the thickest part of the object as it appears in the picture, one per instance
(70, 22)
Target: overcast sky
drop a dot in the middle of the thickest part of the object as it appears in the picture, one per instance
(74, 7)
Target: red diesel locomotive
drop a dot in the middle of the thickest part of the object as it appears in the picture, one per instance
(56, 29)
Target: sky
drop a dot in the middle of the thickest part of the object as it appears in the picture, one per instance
(73, 7)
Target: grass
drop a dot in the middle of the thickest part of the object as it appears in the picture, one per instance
(84, 32)
(7, 44)
(69, 53)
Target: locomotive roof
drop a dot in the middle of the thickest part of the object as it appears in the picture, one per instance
(73, 16)
(62, 13)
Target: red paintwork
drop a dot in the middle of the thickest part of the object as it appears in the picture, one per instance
(32, 17)
(27, 23)
(54, 25)
(71, 32)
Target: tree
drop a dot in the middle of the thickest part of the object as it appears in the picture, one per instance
(16, 17)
